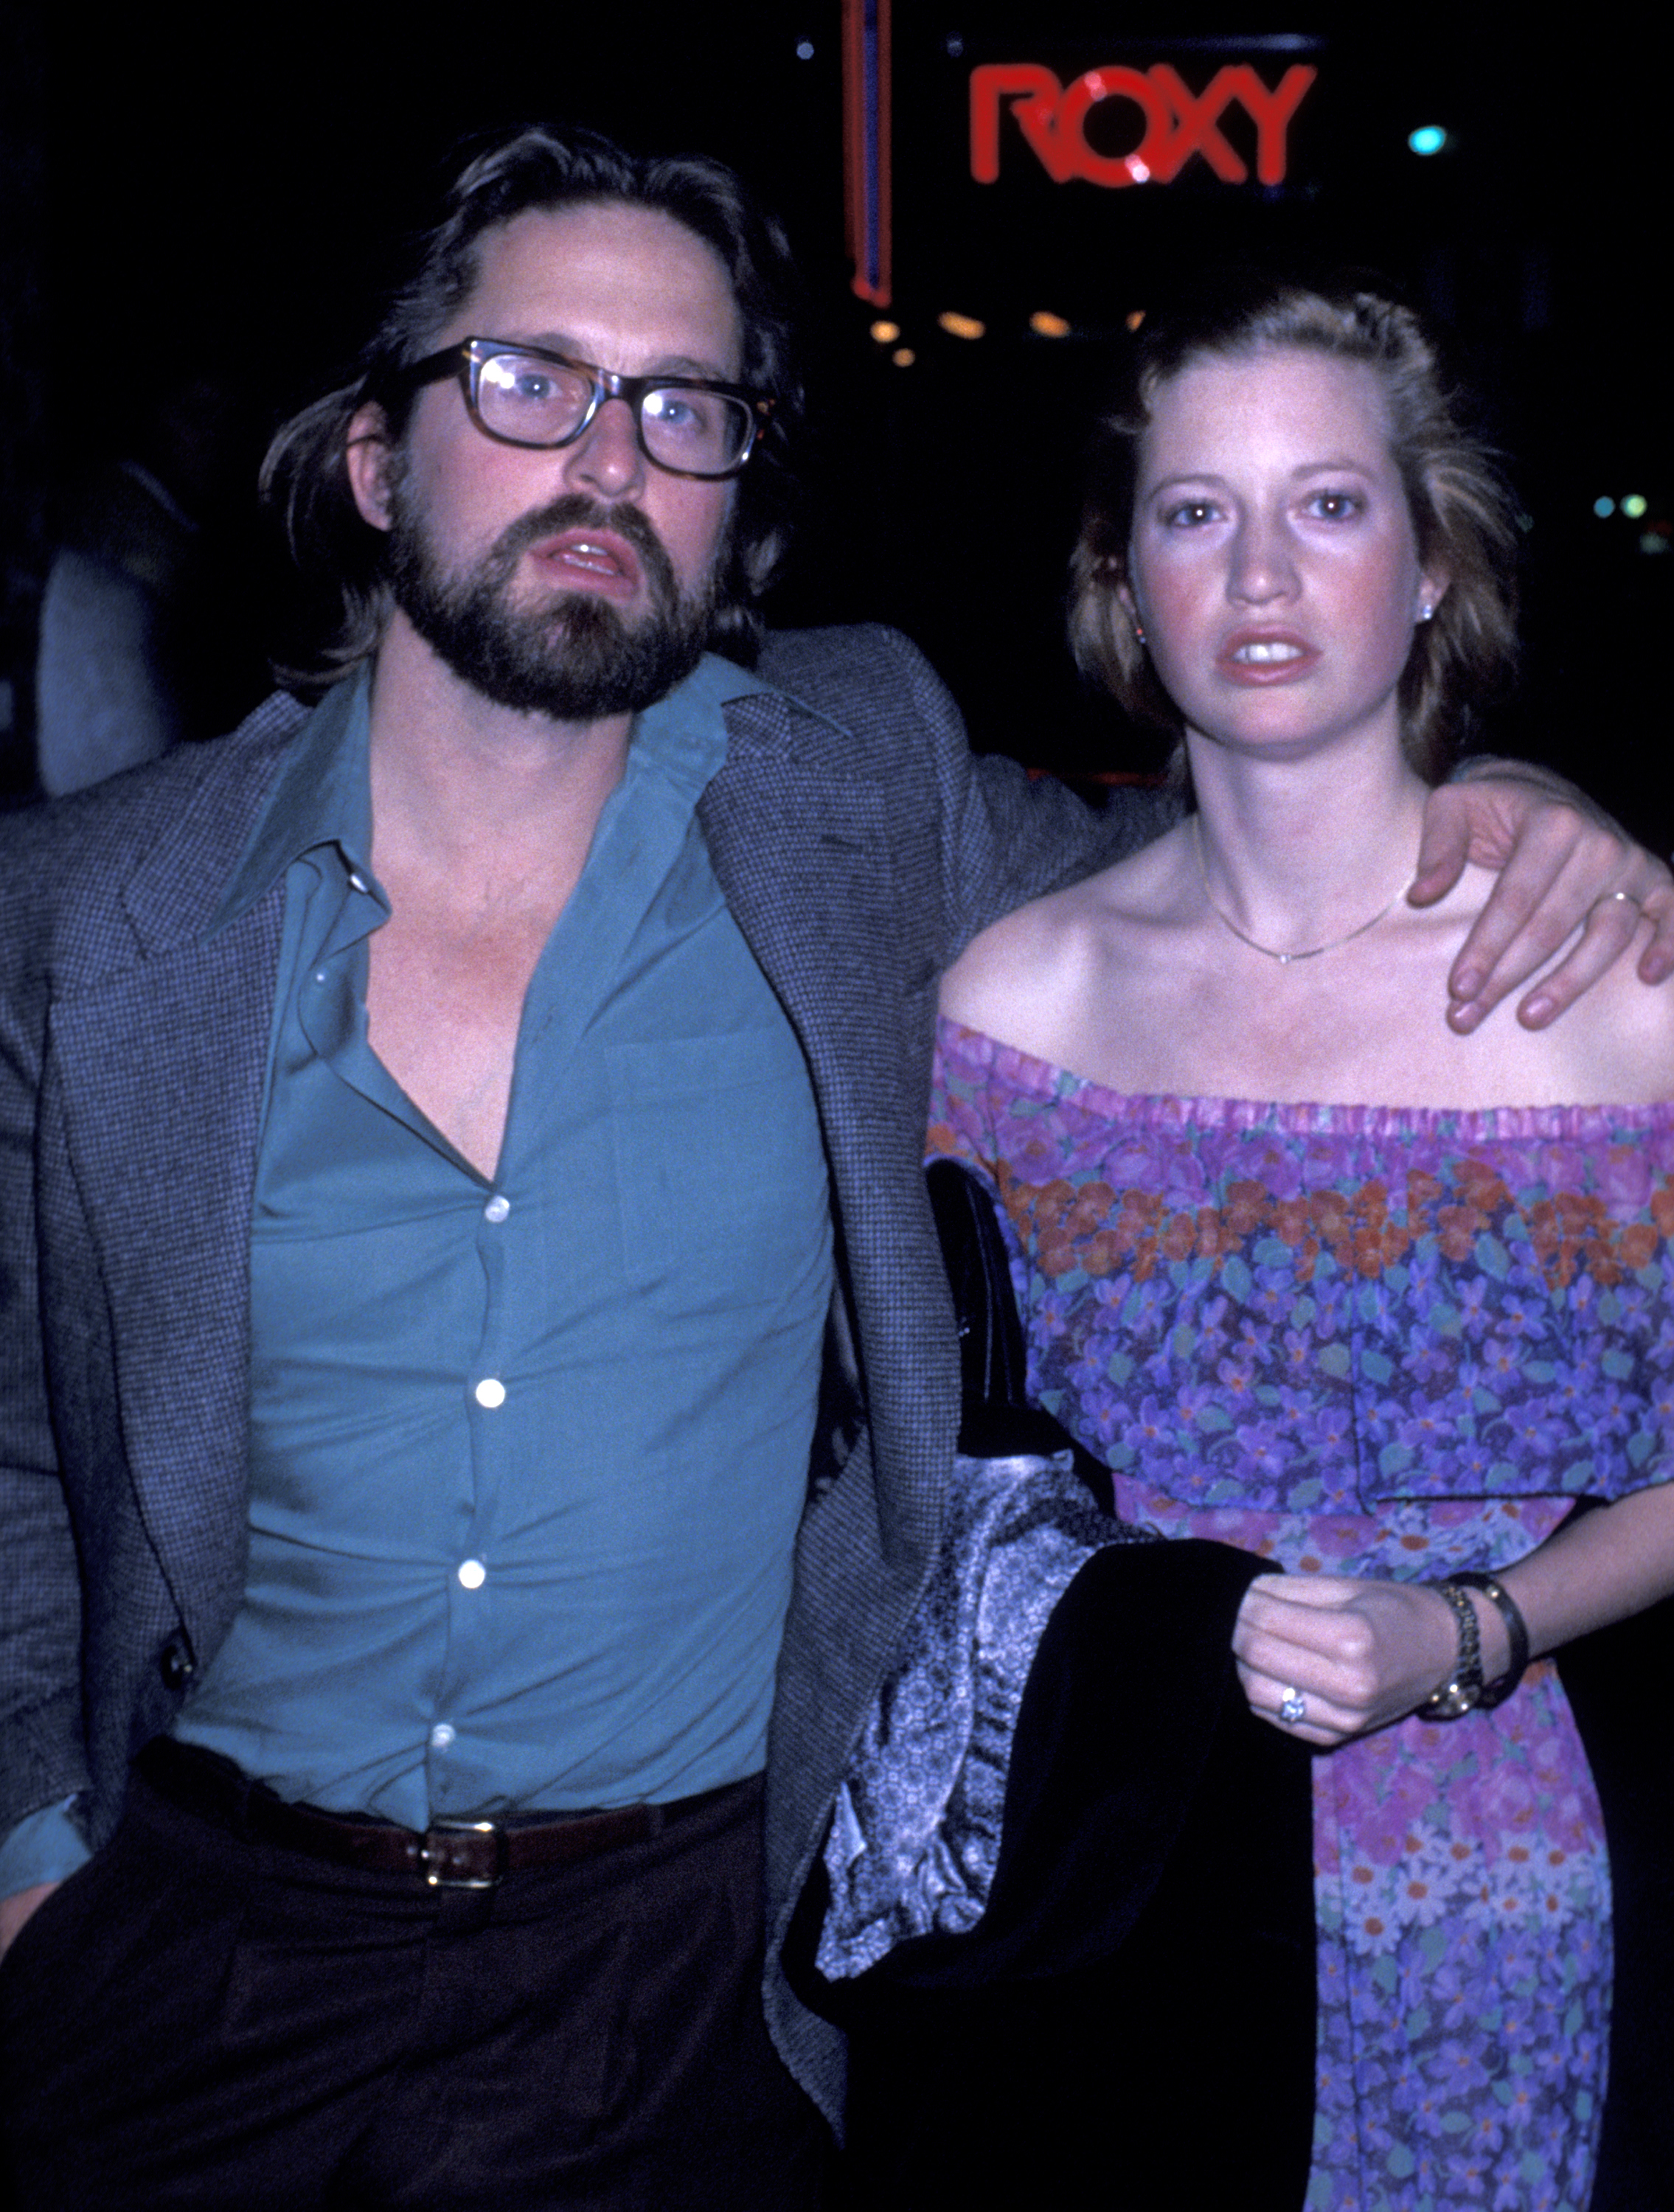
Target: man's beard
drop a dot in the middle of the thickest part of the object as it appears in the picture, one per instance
(573, 658)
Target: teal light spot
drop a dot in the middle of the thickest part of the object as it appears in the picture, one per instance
(1428, 138)
(1604, 508)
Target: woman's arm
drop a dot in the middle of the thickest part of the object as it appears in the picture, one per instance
(1361, 1653)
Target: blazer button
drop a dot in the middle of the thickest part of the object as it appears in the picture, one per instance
(176, 1663)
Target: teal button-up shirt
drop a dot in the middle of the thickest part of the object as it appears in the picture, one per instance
(527, 1456)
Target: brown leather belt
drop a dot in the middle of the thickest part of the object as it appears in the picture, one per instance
(449, 1855)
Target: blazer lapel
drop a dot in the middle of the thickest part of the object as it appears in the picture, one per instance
(804, 852)
(158, 1066)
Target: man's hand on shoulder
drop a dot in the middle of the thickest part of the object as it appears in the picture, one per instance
(1563, 866)
(18, 1908)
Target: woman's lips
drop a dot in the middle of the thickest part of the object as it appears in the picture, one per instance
(1264, 657)
(592, 560)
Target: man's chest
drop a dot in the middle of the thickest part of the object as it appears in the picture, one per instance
(444, 1003)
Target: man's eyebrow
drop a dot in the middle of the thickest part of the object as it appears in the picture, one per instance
(667, 364)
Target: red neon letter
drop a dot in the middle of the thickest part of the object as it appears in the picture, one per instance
(1272, 112)
(1034, 92)
(1150, 156)
(1198, 114)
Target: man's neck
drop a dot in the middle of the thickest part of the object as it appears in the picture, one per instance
(475, 796)
(481, 820)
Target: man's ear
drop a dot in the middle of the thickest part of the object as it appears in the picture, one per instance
(370, 457)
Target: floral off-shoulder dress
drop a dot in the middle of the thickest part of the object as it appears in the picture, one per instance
(1375, 1341)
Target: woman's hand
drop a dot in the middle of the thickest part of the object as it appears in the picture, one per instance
(1563, 866)
(1358, 1653)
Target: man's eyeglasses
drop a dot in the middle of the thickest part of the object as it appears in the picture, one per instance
(524, 396)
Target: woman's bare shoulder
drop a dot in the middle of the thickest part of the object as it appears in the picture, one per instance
(1618, 1040)
(1038, 978)
(1614, 1045)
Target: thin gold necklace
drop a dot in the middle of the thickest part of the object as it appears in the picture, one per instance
(1284, 959)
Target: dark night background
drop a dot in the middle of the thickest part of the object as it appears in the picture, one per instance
(192, 192)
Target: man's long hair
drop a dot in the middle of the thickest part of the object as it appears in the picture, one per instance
(305, 480)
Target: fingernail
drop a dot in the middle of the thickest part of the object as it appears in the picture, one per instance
(1536, 1012)
(1468, 984)
(1464, 1019)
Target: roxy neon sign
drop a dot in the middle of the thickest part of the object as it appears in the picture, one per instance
(1178, 122)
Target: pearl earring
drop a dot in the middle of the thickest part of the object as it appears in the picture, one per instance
(1425, 610)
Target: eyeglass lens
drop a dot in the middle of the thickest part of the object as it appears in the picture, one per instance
(536, 402)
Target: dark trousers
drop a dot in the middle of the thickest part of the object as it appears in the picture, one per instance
(199, 2021)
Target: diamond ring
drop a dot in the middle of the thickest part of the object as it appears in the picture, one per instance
(1292, 1707)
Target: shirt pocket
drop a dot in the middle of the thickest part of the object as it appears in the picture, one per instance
(721, 1171)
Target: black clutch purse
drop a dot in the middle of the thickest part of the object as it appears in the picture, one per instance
(1130, 2004)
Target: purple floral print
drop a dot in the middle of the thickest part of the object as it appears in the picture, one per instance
(1375, 1341)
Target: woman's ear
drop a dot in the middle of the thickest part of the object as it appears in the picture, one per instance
(1122, 593)
(369, 455)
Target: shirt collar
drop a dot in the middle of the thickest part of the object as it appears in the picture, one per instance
(322, 794)
(683, 736)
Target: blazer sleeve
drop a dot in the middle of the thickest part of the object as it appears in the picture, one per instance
(1007, 836)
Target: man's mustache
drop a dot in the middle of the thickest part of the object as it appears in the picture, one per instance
(575, 511)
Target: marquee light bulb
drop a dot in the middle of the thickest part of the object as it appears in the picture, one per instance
(962, 327)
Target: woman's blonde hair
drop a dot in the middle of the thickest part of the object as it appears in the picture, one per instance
(1463, 515)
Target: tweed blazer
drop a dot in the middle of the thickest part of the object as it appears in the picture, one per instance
(859, 847)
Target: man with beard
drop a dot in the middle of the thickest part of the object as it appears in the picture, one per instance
(433, 1126)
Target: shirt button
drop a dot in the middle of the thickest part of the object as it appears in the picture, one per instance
(473, 1573)
(490, 1392)
(498, 1207)
(441, 1735)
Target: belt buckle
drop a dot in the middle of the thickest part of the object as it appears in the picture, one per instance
(446, 1866)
